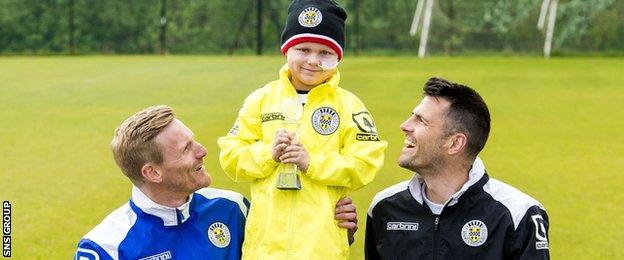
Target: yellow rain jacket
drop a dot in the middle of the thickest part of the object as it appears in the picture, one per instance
(345, 153)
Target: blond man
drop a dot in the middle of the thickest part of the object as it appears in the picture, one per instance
(171, 213)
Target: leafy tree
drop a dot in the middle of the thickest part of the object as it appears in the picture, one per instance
(229, 26)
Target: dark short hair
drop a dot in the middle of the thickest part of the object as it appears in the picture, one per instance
(467, 114)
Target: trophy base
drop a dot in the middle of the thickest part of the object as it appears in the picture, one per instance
(288, 181)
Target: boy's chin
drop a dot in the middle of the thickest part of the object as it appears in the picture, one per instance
(313, 82)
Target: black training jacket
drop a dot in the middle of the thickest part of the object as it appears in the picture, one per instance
(486, 219)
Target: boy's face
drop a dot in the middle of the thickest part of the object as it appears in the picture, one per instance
(304, 61)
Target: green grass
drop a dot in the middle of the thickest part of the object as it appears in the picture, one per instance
(557, 134)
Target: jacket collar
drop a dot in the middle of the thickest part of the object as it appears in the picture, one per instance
(330, 84)
(170, 216)
(476, 173)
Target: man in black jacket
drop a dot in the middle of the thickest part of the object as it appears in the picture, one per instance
(451, 208)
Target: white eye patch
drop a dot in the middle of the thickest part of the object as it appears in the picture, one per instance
(328, 65)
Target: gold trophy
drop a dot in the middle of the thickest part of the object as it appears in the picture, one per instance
(288, 173)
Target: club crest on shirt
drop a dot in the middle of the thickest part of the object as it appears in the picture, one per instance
(310, 17)
(474, 233)
(325, 120)
(219, 234)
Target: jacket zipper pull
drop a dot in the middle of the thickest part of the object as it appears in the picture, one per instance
(436, 223)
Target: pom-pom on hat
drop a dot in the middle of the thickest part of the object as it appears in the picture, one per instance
(319, 21)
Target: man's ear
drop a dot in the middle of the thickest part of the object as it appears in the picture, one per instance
(456, 143)
(151, 173)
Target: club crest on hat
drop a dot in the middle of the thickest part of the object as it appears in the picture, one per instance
(325, 120)
(219, 234)
(474, 233)
(310, 17)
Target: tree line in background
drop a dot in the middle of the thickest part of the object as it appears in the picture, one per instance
(254, 26)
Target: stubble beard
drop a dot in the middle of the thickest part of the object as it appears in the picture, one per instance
(181, 183)
(423, 164)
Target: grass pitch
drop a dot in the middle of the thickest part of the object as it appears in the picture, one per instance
(557, 134)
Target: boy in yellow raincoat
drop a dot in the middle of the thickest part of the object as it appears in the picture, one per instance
(336, 147)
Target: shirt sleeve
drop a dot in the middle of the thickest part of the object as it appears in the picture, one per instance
(242, 219)
(530, 239)
(370, 247)
(244, 155)
(358, 160)
(89, 250)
